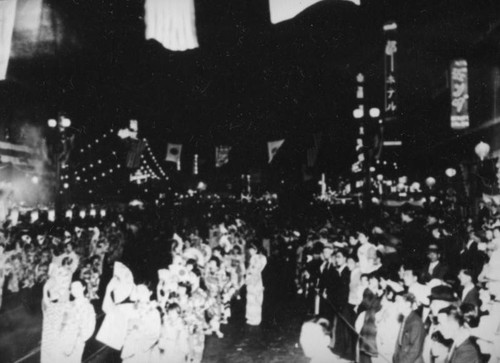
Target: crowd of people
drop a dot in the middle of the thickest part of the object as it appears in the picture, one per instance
(409, 285)
(406, 284)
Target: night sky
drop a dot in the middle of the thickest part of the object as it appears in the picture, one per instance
(251, 81)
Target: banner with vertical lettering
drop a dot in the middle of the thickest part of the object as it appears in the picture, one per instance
(459, 95)
(390, 51)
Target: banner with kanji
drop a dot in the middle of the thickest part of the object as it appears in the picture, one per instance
(134, 153)
(222, 155)
(390, 51)
(459, 95)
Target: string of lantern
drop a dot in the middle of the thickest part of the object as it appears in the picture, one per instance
(155, 161)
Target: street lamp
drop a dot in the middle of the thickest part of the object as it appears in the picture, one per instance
(359, 114)
(62, 147)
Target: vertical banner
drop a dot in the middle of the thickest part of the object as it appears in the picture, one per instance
(459, 95)
(391, 48)
(222, 155)
(7, 17)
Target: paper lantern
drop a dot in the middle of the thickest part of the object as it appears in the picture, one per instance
(430, 182)
(450, 172)
(482, 150)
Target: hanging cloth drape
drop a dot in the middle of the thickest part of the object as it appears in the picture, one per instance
(7, 17)
(172, 23)
(282, 10)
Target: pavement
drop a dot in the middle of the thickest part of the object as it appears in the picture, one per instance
(274, 341)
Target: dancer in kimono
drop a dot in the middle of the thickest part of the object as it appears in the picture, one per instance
(78, 325)
(173, 344)
(195, 320)
(214, 281)
(53, 304)
(255, 287)
(143, 330)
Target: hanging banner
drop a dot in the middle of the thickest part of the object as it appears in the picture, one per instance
(174, 153)
(7, 17)
(281, 10)
(222, 155)
(172, 23)
(273, 147)
(391, 48)
(134, 154)
(459, 95)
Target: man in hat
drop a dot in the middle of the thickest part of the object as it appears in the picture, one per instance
(470, 295)
(435, 346)
(434, 269)
(470, 257)
(410, 342)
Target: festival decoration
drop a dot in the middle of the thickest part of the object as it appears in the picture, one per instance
(391, 48)
(222, 155)
(7, 19)
(450, 172)
(482, 150)
(174, 154)
(273, 147)
(459, 95)
(281, 10)
(172, 23)
(430, 182)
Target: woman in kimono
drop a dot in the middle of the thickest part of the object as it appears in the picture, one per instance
(77, 326)
(173, 344)
(255, 287)
(194, 316)
(143, 329)
(214, 281)
(53, 307)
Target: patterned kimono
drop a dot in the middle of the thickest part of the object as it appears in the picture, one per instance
(255, 289)
(194, 316)
(214, 283)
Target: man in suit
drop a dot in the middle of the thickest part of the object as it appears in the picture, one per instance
(328, 282)
(471, 258)
(470, 294)
(411, 337)
(344, 339)
(435, 269)
(452, 327)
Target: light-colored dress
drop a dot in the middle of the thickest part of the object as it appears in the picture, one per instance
(143, 333)
(255, 289)
(173, 344)
(77, 327)
(50, 348)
